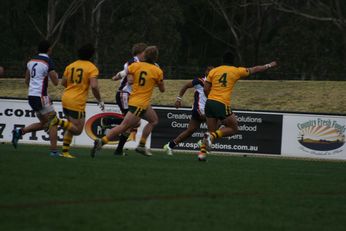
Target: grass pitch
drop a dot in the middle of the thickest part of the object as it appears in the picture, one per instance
(163, 192)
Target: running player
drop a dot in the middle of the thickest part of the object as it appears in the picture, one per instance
(198, 115)
(143, 76)
(39, 68)
(78, 77)
(124, 90)
(218, 88)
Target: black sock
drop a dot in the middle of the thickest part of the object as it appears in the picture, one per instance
(122, 141)
(172, 144)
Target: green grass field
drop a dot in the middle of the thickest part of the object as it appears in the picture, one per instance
(298, 96)
(162, 192)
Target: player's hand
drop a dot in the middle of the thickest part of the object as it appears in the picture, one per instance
(177, 104)
(272, 64)
(101, 105)
(116, 77)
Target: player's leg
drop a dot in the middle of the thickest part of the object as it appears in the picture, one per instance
(213, 110)
(77, 120)
(122, 101)
(153, 120)
(230, 128)
(53, 136)
(129, 121)
(195, 122)
(74, 125)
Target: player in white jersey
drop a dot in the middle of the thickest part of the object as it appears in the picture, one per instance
(39, 70)
(124, 91)
(198, 115)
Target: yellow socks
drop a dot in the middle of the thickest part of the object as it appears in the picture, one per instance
(104, 140)
(66, 142)
(65, 124)
(216, 134)
(142, 142)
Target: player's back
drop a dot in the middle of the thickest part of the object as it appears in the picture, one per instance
(223, 79)
(146, 77)
(78, 76)
(39, 67)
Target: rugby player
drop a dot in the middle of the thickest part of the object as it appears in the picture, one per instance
(38, 71)
(124, 91)
(77, 78)
(198, 115)
(144, 77)
(218, 88)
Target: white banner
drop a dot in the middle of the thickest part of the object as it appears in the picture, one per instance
(314, 136)
(18, 113)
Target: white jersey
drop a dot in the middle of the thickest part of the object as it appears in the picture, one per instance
(39, 67)
(124, 86)
(199, 97)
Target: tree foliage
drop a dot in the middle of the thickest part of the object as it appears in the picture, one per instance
(307, 37)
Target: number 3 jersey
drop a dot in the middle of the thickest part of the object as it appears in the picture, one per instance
(39, 67)
(78, 76)
(223, 79)
(145, 77)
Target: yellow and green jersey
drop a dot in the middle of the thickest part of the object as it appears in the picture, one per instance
(78, 76)
(223, 79)
(146, 77)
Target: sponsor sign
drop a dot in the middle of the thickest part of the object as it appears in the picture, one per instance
(18, 114)
(314, 136)
(98, 125)
(258, 132)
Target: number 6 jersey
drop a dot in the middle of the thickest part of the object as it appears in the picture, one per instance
(146, 76)
(39, 67)
(76, 92)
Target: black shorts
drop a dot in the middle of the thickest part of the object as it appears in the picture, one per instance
(122, 98)
(196, 115)
(74, 114)
(137, 111)
(215, 109)
(41, 105)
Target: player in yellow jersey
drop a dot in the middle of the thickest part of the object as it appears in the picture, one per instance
(144, 77)
(78, 77)
(219, 87)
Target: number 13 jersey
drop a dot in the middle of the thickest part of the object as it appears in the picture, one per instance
(223, 79)
(78, 76)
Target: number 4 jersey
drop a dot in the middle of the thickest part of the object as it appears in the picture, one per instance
(78, 76)
(223, 79)
(39, 67)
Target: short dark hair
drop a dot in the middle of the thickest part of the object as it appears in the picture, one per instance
(86, 51)
(207, 70)
(138, 48)
(228, 57)
(151, 54)
(43, 46)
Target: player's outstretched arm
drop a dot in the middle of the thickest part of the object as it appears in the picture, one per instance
(54, 77)
(181, 93)
(119, 75)
(262, 68)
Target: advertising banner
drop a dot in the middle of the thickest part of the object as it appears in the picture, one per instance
(258, 132)
(314, 136)
(18, 114)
